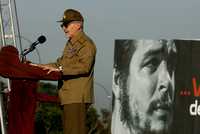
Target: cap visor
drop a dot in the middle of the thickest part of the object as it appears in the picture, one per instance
(59, 21)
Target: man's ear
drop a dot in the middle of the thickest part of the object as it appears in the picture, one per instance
(116, 85)
(79, 25)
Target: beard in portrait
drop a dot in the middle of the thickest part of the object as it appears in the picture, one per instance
(143, 86)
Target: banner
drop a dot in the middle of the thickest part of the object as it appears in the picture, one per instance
(156, 87)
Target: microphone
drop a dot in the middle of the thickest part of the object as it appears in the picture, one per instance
(40, 40)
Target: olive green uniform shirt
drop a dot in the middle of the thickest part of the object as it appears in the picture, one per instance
(77, 63)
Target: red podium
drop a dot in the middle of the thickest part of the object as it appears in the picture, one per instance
(23, 96)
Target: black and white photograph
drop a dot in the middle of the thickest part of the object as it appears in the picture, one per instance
(155, 86)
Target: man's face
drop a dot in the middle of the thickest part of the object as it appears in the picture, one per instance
(71, 29)
(150, 85)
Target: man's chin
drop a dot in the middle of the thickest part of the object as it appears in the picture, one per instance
(159, 127)
(158, 123)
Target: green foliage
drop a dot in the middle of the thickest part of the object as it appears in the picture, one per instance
(99, 124)
(47, 88)
(91, 117)
(48, 116)
(106, 115)
(106, 121)
(49, 121)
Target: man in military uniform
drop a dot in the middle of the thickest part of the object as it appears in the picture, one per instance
(77, 67)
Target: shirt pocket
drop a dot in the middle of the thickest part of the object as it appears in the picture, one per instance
(70, 53)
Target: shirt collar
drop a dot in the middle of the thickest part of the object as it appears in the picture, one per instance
(76, 37)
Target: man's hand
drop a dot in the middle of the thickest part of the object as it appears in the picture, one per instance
(46, 67)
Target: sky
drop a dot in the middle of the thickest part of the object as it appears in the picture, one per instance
(105, 21)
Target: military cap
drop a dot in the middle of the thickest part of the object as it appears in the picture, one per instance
(71, 15)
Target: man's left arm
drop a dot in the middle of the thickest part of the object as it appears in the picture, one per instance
(86, 57)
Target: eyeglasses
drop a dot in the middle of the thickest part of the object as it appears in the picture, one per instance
(64, 24)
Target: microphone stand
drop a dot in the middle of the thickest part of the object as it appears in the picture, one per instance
(25, 52)
(40, 40)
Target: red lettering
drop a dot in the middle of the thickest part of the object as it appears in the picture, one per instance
(196, 91)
